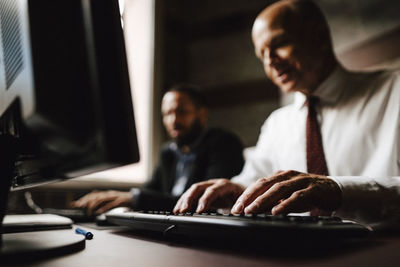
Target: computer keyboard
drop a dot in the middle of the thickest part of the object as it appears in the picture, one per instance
(258, 226)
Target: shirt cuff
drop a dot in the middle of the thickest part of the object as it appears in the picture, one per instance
(367, 200)
(242, 180)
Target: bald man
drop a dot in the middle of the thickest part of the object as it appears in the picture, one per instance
(357, 136)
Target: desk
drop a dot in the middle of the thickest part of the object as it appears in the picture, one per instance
(119, 247)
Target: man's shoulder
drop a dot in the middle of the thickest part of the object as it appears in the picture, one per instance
(391, 74)
(211, 137)
(380, 81)
(287, 110)
(376, 76)
(280, 118)
(215, 138)
(215, 133)
(168, 147)
(394, 72)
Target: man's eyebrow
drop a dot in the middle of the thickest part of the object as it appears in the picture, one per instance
(271, 40)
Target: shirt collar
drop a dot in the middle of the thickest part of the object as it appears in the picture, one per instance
(329, 90)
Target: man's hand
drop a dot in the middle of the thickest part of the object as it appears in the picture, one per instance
(289, 191)
(102, 201)
(215, 193)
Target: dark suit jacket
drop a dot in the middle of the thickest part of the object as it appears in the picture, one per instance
(219, 154)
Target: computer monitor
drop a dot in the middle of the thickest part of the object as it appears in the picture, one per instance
(65, 100)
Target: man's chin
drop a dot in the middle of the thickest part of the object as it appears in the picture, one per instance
(294, 86)
(186, 140)
(182, 140)
(189, 136)
(288, 87)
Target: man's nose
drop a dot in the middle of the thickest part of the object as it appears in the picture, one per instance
(175, 119)
(270, 57)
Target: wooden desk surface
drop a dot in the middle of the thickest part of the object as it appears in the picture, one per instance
(119, 247)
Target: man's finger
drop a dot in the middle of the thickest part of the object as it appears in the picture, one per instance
(274, 194)
(250, 194)
(259, 187)
(187, 200)
(86, 199)
(98, 200)
(299, 201)
(94, 204)
(82, 202)
(177, 206)
(219, 188)
(108, 206)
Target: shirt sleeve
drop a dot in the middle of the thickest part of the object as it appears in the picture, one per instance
(258, 162)
(145, 199)
(155, 182)
(373, 201)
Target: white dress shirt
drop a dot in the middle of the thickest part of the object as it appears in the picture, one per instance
(360, 127)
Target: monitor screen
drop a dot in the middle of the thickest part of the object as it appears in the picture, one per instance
(65, 100)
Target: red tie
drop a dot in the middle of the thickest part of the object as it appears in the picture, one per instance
(316, 163)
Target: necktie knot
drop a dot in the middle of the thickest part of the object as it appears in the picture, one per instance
(312, 101)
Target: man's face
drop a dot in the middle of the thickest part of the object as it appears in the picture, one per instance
(182, 119)
(290, 60)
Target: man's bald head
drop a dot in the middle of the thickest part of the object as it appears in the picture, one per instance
(292, 38)
(302, 18)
